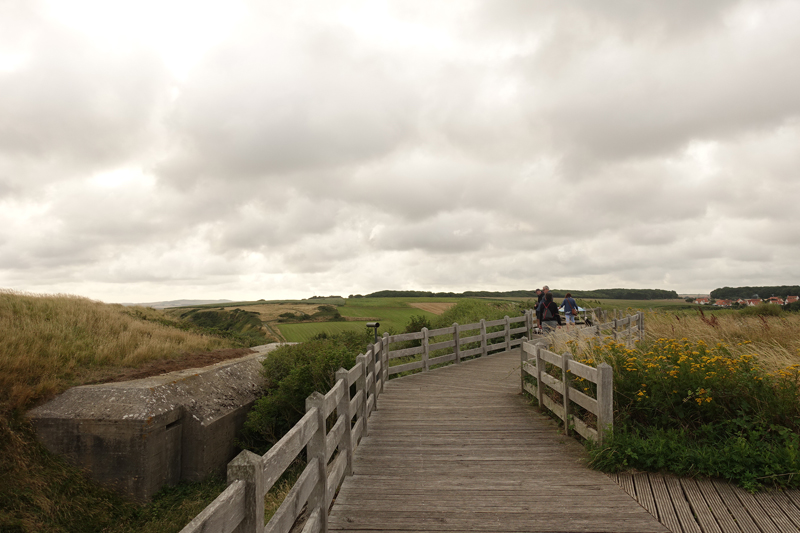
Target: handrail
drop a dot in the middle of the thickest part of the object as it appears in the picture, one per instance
(602, 406)
(240, 507)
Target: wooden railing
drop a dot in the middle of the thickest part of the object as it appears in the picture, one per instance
(602, 406)
(536, 360)
(617, 328)
(329, 453)
(456, 343)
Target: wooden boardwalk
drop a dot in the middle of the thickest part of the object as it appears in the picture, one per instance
(459, 449)
(711, 506)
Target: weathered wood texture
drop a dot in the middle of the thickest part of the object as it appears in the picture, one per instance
(459, 449)
(687, 505)
(602, 406)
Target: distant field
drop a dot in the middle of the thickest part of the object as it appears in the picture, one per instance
(392, 313)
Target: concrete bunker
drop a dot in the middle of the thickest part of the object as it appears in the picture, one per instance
(137, 436)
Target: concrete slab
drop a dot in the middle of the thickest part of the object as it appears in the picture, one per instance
(137, 436)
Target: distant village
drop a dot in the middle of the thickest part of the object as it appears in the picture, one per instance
(747, 302)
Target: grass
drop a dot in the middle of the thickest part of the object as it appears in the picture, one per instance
(392, 313)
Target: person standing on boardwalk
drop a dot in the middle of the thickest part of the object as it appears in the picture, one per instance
(539, 297)
(550, 317)
(570, 309)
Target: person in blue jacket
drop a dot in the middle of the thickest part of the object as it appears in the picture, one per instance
(570, 309)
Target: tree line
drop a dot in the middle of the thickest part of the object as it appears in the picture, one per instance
(598, 294)
(734, 293)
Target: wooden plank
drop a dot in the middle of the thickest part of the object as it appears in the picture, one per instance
(405, 352)
(558, 409)
(735, 507)
(553, 383)
(396, 369)
(552, 358)
(682, 507)
(355, 402)
(223, 514)
(666, 510)
(583, 430)
(442, 345)
(334, 437)
(767, 514)
(644, 494)
(701, 509)
(441, 331)
(724, 519)
(587, 402)
(583, 371)
(284, 452)
(332, 398)
(625, 481)
(336, 472)
(471, 352)
(790, 510)
(353, 373)
(494, 323)
(442, 359)
(497, 335)
(313, 524)
(292, 505)
(403, 337)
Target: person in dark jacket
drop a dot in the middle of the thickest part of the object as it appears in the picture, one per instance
(549, 313)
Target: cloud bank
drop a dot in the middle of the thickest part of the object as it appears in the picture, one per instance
(260, 149)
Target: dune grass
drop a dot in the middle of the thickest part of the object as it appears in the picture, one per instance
(48, 344)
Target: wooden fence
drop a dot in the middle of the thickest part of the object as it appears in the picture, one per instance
(536, 360)
(329, 453)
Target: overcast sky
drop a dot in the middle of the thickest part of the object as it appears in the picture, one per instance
(163, 149)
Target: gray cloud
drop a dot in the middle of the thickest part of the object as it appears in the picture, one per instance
(344, 148)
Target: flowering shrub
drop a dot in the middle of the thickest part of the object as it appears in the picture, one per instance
(690, 408)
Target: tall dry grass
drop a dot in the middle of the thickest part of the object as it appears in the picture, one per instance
(49, 343)
(774, 340)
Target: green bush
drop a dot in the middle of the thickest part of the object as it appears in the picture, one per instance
(762, 310)
(292, 373)
(692, 409)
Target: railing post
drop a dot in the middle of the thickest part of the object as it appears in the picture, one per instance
(361, 385)
(385, 360)
(343, 409)
(614, 326)
(565, 359)
(523, 358)
(371, 362)
(376, 355)
(484, 340)
(426, 352)
(529, 323)
(605, 400)
(538, 356)
(456, 340)
(641, 325)
(247, 467)
(508, 333)
(315, 451)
